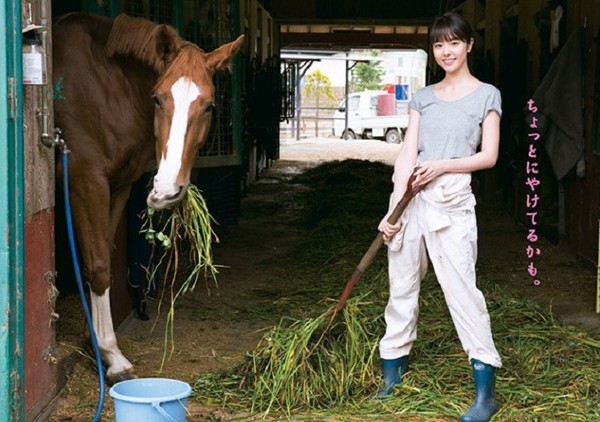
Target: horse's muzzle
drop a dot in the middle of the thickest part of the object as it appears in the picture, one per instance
(159, 201)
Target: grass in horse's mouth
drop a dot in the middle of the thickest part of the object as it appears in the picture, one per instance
(189, 222)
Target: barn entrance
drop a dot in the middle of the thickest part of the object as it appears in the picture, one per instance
(241, 142)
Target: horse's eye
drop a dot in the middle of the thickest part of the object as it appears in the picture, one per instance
(211, 107)
(157, 100)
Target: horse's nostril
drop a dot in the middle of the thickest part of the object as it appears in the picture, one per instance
(176, 194)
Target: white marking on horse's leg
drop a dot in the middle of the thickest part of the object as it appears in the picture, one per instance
(184, 92)
(105, 334)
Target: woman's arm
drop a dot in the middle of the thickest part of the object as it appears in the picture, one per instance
(403, 168)
(485, 158)
(407, 158)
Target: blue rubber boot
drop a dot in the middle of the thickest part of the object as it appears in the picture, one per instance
(393, 371)
(485, 404)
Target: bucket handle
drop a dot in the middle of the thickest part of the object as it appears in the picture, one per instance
(163, 412)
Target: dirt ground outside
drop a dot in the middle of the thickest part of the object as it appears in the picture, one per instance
(217, 326)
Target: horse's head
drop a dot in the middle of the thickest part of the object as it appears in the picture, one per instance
(183, 96)
(184, 99)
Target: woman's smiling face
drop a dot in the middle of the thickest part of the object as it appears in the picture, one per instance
(451, 54)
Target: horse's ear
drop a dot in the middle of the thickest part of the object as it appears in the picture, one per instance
(221, 58)
(152, 44)
(167, 44)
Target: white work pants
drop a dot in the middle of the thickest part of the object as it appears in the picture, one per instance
(441, 220)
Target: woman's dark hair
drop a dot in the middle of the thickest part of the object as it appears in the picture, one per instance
(450, 26)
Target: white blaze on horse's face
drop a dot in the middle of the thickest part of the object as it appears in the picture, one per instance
(168, 189)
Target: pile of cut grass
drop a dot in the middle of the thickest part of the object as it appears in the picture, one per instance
(550, 370)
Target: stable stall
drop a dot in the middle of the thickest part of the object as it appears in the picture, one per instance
(239, 147)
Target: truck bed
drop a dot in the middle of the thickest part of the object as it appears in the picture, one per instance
(381, 122)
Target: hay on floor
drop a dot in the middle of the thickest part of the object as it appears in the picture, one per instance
(550, 371)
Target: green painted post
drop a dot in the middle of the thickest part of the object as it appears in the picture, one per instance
(12, 269)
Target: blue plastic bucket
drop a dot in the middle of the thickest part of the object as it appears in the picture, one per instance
(150, 400)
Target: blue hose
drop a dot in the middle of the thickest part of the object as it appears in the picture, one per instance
(86, 309)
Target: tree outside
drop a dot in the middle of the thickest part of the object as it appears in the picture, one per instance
(319, 91)
(367, 75)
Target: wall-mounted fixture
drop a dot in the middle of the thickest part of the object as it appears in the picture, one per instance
(34, 61)
(35, 70)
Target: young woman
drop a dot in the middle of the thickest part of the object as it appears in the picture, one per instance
(453, 131)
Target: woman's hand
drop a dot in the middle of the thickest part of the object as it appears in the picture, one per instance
(388, 230)
(428, 171)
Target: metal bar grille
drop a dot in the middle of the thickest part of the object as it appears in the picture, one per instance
(210, 26)
(288, 88)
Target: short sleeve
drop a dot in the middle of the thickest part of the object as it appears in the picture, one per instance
(415, 102)
(493, 102)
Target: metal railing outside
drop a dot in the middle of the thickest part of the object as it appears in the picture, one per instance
(315, 122)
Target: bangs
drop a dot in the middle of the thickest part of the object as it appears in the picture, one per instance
(448, 27)
(438, 34)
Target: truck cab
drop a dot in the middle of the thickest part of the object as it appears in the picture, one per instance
(372, 114)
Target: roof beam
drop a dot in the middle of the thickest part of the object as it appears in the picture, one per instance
(352, 39)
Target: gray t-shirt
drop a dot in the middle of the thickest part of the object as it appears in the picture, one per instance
(452, 129)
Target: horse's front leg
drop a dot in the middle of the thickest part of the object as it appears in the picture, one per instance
(90, 200)
(119, 368)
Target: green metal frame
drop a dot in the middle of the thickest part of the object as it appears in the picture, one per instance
(12, 268)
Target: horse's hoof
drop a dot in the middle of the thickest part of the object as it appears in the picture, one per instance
(120, 376)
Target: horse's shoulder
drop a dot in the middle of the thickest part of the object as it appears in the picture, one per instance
(78, 30)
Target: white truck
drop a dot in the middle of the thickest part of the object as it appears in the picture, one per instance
(366, 120)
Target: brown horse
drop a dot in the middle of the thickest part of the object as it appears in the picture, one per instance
(129, 87)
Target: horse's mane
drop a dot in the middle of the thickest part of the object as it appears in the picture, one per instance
(144, 40)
